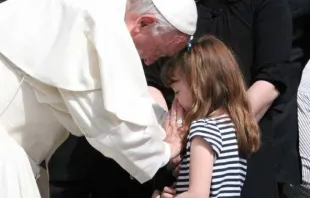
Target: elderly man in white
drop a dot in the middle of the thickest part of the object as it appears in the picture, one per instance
(74, 65)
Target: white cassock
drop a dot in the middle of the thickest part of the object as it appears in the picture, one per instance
(71, 65)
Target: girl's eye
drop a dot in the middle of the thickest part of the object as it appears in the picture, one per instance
(176, 93)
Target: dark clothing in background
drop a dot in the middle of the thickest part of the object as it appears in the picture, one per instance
(260, 34)
(299, 56)
(300, 53)
(77, 170)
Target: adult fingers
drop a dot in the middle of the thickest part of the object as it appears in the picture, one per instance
(167, 124)
(173, 114)
(179, 113)
(169, 190)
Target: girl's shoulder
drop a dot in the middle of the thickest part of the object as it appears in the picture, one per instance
(214, 126)
(224, 118)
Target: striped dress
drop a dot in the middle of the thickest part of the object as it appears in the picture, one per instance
(229, 168)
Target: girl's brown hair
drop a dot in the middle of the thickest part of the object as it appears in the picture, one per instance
(216, 82)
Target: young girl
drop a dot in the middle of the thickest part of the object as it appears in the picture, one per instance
(222, 131)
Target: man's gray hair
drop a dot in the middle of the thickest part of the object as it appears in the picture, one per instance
(141, 7)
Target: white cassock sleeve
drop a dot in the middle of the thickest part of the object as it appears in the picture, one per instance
(85, 48)
(140, 150)
(16, 176)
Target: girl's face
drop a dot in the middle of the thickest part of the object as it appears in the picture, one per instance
(183, 93)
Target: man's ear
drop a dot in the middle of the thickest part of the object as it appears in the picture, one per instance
(146, 22)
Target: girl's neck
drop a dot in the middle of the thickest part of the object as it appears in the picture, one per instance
(217, 112)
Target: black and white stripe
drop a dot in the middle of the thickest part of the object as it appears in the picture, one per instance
(229, 169)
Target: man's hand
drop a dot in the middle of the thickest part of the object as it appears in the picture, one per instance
(175, 163)
(173, 128)
(167, 193)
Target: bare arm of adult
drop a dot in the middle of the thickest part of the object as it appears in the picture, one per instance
(261, 96)
(273, 40)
